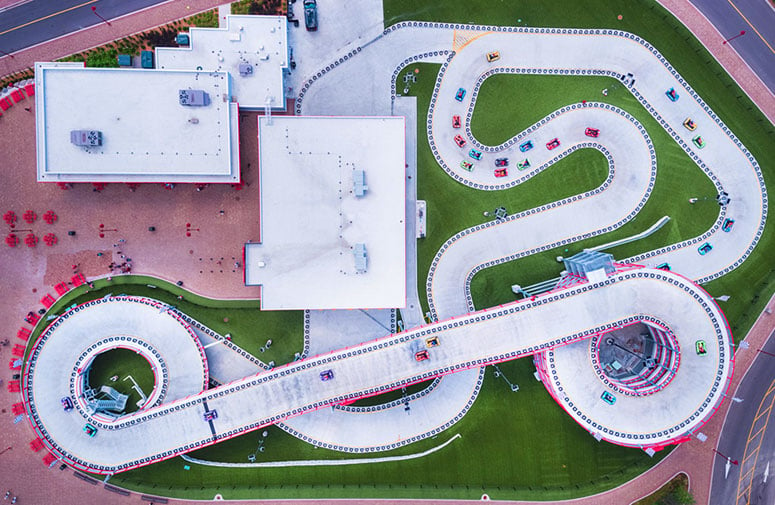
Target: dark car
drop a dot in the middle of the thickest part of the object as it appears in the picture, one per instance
(664, 266)
(460, 141)
(592, 132)
(555, 142)
(502, 162)
(210, 415)
(311, 15)
(326, 375)
(455, 121)
(705, 249)
(461, 93)
(728, 224)
(67, 403)
(608, 398)
(671, 94)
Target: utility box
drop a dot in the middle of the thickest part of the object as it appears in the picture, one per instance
(245, 69)
(193, 97)
(146, 59)
(86, 138)
(124, 60)
(182, 39)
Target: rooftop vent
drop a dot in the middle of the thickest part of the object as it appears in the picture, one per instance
(193, 97)
(245, 69)
(359, 182)
(361, 258)
(86, 137)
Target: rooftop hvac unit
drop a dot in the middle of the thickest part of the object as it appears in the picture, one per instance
(245, 69)
(86, 137)
(193, 97)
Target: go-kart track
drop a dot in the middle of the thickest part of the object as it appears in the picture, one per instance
(559, 325)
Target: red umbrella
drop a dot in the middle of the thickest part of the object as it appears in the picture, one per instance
(12, 240)
(31, 240)
(10, 217)
(50, 239)
(30, 216)
(50, 217)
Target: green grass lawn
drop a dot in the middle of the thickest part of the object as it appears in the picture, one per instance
(249, 327)
(122, 363)
(514, 445)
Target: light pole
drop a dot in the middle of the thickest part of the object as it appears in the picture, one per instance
(94, 10)
(742, 32)
(730, 460)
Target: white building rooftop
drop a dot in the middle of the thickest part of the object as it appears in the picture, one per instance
(313, 224)
(147, 135)
(252, 49)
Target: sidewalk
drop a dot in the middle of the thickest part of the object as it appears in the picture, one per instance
(100, 34)
(725, 54)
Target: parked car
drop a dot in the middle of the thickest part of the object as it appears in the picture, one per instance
(421, 355)
(501, 172)
(460, 94)
(705, 249)
(728, 224)
(455, 121)
(67, 403)
(526, 146)
(690, 124)
(523, 164)
(326, 375)
(310, 15)
(671, 94)
(432, 341)
(699, 142)
(608, 398)
(502, 162)
(90, 430)
(493, 56)
(700, 348)
(664, 266)
(475, 154)
(467, 165)
(210, 415)
(592, 132)
(460, 141)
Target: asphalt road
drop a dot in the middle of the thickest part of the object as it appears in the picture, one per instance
(757, 18)
(753, 465)
(37, 21)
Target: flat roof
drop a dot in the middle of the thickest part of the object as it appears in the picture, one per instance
(147, 135)
(311, 220)
(258, 41)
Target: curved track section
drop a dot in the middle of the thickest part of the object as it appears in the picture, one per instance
(470, 341)
(540, 51)
(61, 354)
(515, 330)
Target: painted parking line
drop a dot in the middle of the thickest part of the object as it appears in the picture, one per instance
(28, 23)
(745, 482)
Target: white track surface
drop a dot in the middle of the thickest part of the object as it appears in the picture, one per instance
(525, 328)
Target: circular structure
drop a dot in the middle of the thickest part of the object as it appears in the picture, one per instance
(64, 352)
(125, 369)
